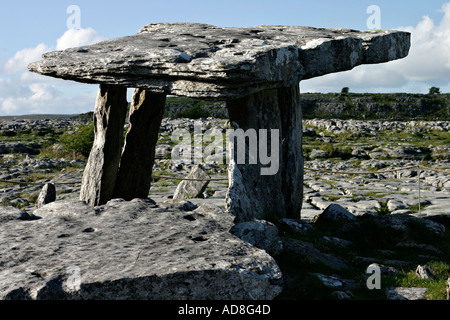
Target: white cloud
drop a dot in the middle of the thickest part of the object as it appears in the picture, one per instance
(77, 38)
(22, 58)
(41, 98)
(429, 58)
(428, 64)
(23, 92)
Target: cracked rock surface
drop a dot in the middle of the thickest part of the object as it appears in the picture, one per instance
(130, 250)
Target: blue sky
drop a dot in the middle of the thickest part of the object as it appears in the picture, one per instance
(30, 28)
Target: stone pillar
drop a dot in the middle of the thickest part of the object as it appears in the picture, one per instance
(136, 164)
(292, 165)
(100, 174)
(251, 194)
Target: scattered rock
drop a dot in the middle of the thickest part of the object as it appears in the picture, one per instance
(25, 216)
(400, 293)
(394, 205)
(335, 281)
(183, 205)
(404, 223)
(261, 234)
(334, 214)
(193, 189)
(312, 254)
(384, 269)
(359, 153)
(337, 241)
(424, 272)
(342, 295)
(330, 280)
(318, 154)
(423, 247)
(47, 195)
(296, 225)
(15, 147)
(402, 211)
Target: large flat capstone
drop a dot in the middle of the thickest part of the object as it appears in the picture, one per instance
(130, 250)
(205, 61)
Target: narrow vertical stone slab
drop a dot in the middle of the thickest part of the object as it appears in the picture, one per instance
(47, 195)
(292, 165)
(135, 172)
(100, 174)
(253, 195)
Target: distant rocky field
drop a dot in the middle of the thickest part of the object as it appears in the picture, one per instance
(32, 154)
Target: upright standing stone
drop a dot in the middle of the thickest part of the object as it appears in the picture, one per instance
(100, 174)
(291, 165)
(282, 193)
(255, 195)
(135, 172)
(47, 195)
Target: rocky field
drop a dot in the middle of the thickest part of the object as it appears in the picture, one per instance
(330, 260)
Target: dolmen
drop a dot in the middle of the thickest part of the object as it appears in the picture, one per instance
(117, 244)
(256, 70)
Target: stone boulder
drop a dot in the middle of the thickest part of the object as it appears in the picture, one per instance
(384, 231)
(261, 234)
(308, 251)
(334, 214)
(47, 195)
(401, 293)
(318, 154)
(409, 225)
(189, 189)
(424, 272)
(130, 250)
(16, 147)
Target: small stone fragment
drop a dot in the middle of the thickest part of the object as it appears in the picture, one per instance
(47, 195)
(189, 189)
(401, 293)
(334, 213)
(424, 272)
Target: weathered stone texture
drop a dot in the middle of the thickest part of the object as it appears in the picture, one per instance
(131, 250)
(269, 110)
(47, 195)
(188, 189)
(138, 156)
(205, 61)
(100, 175)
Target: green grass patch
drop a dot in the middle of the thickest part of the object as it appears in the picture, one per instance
(436, 286)
(415, 208)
